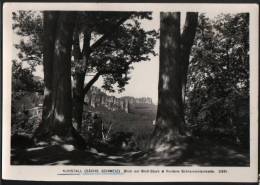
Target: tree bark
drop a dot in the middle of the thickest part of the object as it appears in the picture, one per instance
(50, 24)
(57, 118)
(61, 80)
(78, 98)
(174, 60)
(170, 109)
(81, 59)
(187, 39)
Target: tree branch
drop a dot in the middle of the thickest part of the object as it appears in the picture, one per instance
(32, 58)
(86, 43)
(88, 50)
(91, 82)
(108, 34)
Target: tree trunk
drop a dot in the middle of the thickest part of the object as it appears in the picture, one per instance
(61, 80)
(57, 118)
(79, 95)
(174, 61)
(170, 109)
(187, 39)
(81, 59)
(50, 25)
(78, 98)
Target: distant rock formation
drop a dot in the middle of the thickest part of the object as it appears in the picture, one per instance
(96, 98)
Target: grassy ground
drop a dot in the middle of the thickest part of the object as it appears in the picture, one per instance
(138, 122)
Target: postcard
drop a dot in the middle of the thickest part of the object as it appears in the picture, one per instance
(130, 92)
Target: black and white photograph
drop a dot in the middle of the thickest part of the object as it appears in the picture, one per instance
(200, 115)
(130, 88)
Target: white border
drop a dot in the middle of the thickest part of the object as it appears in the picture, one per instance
(49, 173)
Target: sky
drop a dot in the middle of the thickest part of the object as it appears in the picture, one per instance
(144, 75)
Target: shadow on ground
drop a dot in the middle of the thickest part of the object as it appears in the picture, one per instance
(63, 154)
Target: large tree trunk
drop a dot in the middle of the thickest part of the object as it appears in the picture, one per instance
(170, 116)
(57, 115)
(81, 59)
(174, 61)
(61, 79)
(49, 24)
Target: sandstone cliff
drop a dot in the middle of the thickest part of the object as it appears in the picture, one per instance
(97, 98)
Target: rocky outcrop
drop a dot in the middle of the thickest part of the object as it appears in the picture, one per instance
(143, 100)
(96, 98)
